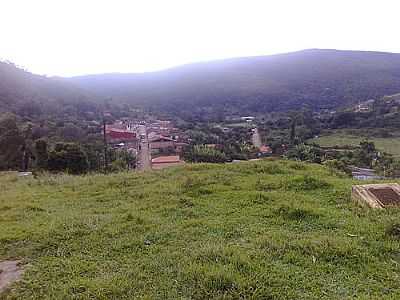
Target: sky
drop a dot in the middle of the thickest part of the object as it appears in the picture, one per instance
(77, 37)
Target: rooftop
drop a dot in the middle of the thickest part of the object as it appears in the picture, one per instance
(166, 159)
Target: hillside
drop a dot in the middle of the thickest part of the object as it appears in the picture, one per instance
(315, 78)
(260, 230)
(33, 96)
(339, 139)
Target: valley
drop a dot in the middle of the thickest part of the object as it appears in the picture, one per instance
(227, 179)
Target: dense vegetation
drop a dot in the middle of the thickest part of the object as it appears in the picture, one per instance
(33, 97)
(23, 148)
(52, 116)
(314, 78)
(215, 143)
(262, 230)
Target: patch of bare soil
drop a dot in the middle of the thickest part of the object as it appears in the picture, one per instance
(10, 272)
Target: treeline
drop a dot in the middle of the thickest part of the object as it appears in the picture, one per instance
(22, 149)
(213, 143)
(383, 114)
(365, 156)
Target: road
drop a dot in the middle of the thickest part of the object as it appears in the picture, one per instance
(144, 156)
(256, 138)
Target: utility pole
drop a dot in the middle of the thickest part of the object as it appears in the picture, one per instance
(105, 145)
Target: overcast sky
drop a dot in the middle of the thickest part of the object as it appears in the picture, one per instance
(74, 37)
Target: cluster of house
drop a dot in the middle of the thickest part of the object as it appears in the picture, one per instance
(165, 142)
(123, 134)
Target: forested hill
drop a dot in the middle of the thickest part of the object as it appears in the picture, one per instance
(38, 97)
(314, 78)
(317, 78)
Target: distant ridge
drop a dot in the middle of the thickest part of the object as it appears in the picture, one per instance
(317, 78)
(29, 95)
(314, 78)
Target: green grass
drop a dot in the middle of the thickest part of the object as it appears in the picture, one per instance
(389, 145)
(257, 230)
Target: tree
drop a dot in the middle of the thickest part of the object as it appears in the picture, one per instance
(293, 121)
(68, 157)
(70, 133)
(41, 154)
(366, 154)
(122, 160)
(11, 143)
(201, 153)
(305, 152)
(26, 147)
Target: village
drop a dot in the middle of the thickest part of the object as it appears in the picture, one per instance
(155, 144)
(158, 144)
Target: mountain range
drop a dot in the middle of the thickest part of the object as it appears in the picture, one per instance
(317, 79)
(314, 78)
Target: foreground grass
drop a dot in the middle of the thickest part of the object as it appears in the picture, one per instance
(260, 230)
(390, 145)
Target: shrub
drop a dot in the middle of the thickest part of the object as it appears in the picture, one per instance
(306, 183)
(68, 157)
(201, 153)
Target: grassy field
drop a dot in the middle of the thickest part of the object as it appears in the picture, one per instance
(257, 230)
(389, 145)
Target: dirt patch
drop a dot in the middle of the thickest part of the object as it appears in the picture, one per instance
(10, 272)
(386, 196)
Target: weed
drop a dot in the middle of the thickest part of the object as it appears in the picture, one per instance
(393, 231)
(306, 183)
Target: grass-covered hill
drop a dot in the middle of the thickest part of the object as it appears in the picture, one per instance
(317, 78)
(259, 230)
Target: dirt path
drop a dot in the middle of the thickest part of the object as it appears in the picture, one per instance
(10, 272)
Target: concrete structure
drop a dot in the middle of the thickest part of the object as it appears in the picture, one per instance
(364, 174)
(377, 195)
(162, 162)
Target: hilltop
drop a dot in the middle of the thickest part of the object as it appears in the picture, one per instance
(314, 78)
(33, 97)
(261, 230)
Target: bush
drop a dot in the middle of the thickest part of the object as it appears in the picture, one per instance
(335, 165)
(305, 152)
(306, 183)
(68, 157)
(201, 153)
